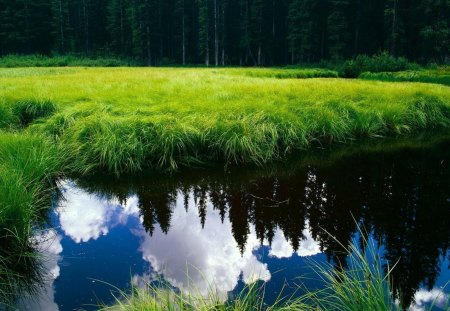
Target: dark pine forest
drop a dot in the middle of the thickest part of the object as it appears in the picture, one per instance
(227, 32)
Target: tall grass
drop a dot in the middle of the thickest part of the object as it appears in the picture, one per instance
(159, 296)
(125, 120)
(23, 112)
(359, 284)
(28, 166)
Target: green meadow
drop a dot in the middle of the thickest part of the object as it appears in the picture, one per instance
(123, 120)
(79, 120)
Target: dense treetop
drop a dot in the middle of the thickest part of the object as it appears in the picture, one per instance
(228, 32)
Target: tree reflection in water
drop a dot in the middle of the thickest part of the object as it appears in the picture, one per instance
(401, 197)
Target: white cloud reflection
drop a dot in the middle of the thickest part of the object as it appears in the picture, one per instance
(281, 248)
(193, 258)
(424, 298)
(83, 216)
(188, 253)
(49, 246)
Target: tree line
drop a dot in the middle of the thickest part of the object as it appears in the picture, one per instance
(228, 32)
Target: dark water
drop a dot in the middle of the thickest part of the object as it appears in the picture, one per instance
(245, 225)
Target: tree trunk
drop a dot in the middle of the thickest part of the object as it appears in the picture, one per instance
(394, 28)
(223, 34)
(216, 36)
(149, 51)
(184, 37)
(86, 27)
(122, 33)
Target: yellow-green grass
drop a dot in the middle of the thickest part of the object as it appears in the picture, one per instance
(126, 119)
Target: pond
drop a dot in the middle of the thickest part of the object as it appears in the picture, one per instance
(231, 227)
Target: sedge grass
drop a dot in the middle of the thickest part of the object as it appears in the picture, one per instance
(123, 120)
(28, 165)
(364, 285)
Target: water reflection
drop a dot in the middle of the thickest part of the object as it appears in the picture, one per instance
(230, 228)
(49, 249)
(401, 197)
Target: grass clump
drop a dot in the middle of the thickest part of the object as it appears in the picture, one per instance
(383, 62)
(159, 296)
(28, 166)
(21, 113)
(29, 110)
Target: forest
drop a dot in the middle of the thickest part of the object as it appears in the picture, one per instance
(227, 32)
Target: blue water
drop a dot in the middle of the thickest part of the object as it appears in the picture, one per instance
(259, 227)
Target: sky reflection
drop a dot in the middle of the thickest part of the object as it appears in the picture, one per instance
(229, 229)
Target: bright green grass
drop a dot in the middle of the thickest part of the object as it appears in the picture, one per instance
(126, 119)
(438, 76)
(28, 167)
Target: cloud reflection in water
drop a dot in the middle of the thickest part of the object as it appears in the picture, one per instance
(208, 255)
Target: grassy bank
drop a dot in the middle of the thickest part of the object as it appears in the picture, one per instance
(438, 76)
(124, 120)
(28, 166)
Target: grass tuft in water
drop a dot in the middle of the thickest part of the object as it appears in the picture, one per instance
(363, 285)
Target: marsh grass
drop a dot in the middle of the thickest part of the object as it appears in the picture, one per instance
(438, 76)
(363, 285)
(124, 120)
(29, 165)
(156, 297)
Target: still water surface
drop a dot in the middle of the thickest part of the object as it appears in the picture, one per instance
(231, 228)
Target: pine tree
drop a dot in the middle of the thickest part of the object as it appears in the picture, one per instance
(301, 34)
(337, 26)
(435, 30)
(60, 12)
(204, 29)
